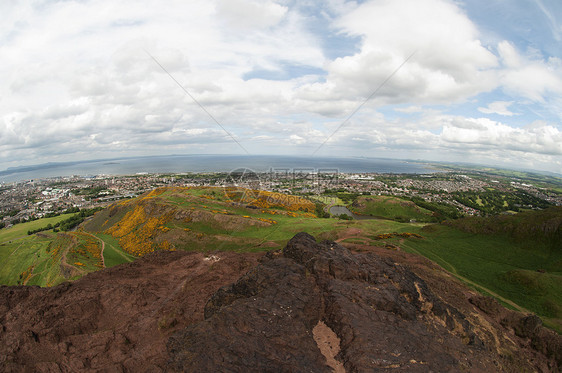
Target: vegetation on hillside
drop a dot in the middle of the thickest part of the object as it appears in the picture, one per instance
(518, 257)
(494, 202)
(544, 226)
(391, 208)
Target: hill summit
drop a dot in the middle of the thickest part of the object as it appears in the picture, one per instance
(314, 306)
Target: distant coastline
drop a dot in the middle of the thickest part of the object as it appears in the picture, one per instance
(210, 163)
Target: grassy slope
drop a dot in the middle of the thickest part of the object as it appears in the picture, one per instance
(36, 259)
(113, 254)
(203, 219)
(390, 208)
(498, 263)
(33, 260)
(20, 230)
(18, 256)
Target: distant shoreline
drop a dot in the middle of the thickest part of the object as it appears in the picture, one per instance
(211, 163)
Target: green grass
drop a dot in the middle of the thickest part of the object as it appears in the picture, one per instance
(328, 200)
(497, 263)
(38, 255)
(17, 256)
(113, 254)
(20, 230)
(390, 208)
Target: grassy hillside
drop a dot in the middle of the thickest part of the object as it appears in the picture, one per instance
(390, 208)
(47, 258)
(543, 227)
(206, 219)
(515, 258)
(518, 257)
(20, 230)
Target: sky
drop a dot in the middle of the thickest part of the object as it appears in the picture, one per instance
(476, 81)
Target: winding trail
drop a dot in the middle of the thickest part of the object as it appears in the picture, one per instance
(64, 264)
(14, 239)
(102, 247)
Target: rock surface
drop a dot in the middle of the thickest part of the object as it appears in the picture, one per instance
(114, 320)
(312, 307)
(384, 315)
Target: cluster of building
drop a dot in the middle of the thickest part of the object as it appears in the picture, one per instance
(34, 199)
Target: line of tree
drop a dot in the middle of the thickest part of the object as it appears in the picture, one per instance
(46, 228)
(440, 211)
(69, 210)
(68, 223)
(320, 212)
(75, 220)
(494, 202)
(345, 196)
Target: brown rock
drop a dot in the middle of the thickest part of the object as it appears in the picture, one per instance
(114, 320)
(384, 315)
(312, 307)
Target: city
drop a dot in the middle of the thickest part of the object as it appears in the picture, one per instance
(465, 191)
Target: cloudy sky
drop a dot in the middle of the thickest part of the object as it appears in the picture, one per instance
(482, 81)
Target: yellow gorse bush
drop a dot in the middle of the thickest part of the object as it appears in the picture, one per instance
(136, 230)
(265, 200)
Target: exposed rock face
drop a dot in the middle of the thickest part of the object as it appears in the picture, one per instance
(385, 317)
(114, 320)
(313, 307)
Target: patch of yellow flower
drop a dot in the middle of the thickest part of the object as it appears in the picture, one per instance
(136, 231)
(265, 200)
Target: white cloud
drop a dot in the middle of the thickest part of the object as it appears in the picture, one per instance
(498, 107)
(76, 81)
(247, 14)
(534, 79)
(482, 132)
(447, 67)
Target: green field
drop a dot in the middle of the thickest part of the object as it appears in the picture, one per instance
(33, 260)
(328, 200)
(113, 254)
(527, 274)
(388, 207)
(20, 230)
(47, 258)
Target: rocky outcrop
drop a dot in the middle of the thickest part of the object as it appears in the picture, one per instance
(113, 320)
(311, 307)
(383, 314)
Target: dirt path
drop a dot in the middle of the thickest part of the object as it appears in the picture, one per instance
(495, 295)
(13, 252)
(68, 270)
(14, 239)
(102, 247)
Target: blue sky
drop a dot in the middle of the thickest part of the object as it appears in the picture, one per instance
(484, 84)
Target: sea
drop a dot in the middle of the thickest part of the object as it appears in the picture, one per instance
(211, 163)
